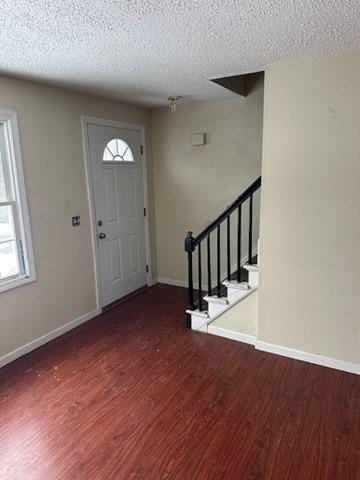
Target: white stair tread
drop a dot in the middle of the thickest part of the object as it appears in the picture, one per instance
(237, 285)
(217, 300)
(251, 268)
(203, 313)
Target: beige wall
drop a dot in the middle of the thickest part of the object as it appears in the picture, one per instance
(241, 317)
(51, 140)
(194, 184)
(309, 296)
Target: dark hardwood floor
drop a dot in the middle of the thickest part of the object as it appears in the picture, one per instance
(133, 395)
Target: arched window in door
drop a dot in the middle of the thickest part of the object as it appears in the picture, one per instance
(117, 150)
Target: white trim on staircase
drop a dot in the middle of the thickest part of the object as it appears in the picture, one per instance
(308, 357)
(38, 342)
(232, 335)
(230, 305)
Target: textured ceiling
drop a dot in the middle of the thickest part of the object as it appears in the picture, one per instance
(141, 51)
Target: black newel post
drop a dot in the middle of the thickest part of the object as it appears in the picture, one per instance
(189, 248)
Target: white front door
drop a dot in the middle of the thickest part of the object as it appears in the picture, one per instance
(117, 177)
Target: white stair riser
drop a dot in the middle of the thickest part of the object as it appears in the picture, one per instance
(198, 323)
(234, 294)
(253, 279)
(216, 309)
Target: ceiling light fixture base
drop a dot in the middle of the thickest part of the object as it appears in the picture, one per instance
(173, 99)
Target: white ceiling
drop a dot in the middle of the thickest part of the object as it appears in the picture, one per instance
(143, 51)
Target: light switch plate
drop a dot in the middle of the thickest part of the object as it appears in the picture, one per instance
(75, 221)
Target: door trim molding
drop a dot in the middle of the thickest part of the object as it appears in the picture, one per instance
(85, 121)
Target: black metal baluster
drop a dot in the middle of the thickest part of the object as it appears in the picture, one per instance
(238, 273)
(189, 248)
(228, 249)
(199, 278)
(218, 263)
(209, 264)
(250, 229)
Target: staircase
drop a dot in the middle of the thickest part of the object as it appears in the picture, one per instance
(241, 276)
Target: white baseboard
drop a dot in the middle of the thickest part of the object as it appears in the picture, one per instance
(232, 335)
(38, 342)
(152, 282)
(308, 357)
(171, 281)
(272, 348)
(285, 351)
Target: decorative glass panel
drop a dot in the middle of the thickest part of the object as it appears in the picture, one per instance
(117, 151)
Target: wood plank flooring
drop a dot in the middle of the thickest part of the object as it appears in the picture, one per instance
(133, 395)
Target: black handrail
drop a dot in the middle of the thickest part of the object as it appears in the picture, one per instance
(230, 209)
(192, 242)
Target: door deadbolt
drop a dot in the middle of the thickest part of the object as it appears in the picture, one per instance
(100, 223)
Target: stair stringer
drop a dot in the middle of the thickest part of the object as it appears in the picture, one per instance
(240, 321)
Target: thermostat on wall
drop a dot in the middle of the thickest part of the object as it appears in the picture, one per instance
(198, 139)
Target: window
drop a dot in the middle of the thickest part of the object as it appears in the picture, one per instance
(117, 151)
(16, 256)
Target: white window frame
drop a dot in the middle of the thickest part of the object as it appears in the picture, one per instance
(15, 172)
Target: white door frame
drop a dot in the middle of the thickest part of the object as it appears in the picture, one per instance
(85, 121)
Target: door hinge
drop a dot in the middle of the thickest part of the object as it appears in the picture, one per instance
(147, 268)
(142, 149)
(144, 212)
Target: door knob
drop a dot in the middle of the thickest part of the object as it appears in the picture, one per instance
(102, 235)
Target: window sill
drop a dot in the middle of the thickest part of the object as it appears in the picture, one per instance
(15, 282)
